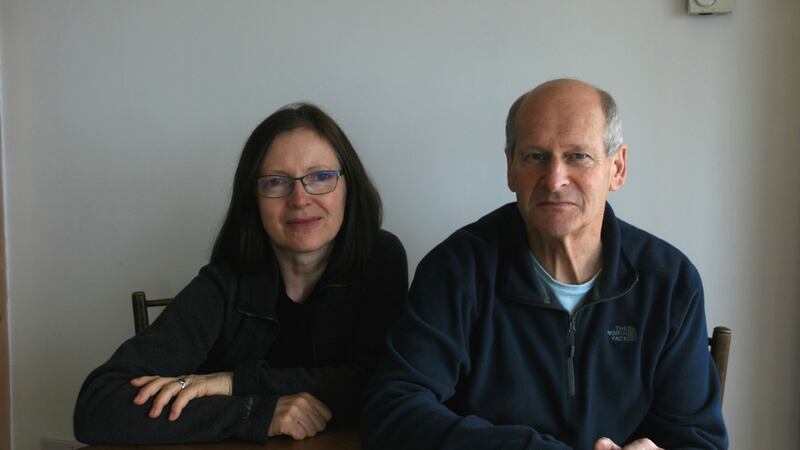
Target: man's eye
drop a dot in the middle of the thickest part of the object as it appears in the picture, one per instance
(584, 159)
(534, 156)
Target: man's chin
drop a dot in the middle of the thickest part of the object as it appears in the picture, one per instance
(554, 228)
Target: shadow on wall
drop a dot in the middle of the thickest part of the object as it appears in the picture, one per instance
(775, 162)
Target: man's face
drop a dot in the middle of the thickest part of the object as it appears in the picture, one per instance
(560, 171)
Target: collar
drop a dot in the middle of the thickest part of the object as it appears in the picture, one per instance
(259, 291)
(518, 278)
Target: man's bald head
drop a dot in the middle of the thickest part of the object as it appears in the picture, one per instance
(567, 93)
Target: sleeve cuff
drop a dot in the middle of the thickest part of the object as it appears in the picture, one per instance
(245, 379)
(259, 416)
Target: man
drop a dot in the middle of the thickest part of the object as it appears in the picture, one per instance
(549, 323)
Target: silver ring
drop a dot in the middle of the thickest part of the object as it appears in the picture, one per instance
(181, 382)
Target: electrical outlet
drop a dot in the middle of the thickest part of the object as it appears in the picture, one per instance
(60, 444)
(707, 7)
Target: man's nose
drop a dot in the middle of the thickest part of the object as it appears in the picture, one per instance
(556, 175)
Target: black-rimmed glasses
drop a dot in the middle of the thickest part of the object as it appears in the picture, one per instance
(315, 183)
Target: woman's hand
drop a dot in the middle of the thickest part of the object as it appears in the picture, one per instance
(184, 389)
(299, 416)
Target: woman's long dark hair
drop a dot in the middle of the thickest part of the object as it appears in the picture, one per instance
(242, 240)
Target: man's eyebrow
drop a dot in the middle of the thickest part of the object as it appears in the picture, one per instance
(574, 148)
(535, 148)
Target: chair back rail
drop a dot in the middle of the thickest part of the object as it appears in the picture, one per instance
(720, 345)
(141, 319)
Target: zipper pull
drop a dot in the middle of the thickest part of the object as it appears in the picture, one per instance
(571, 336)
(571, 358)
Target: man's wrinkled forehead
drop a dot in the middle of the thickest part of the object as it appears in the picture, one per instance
(561, 110)
(563, 98)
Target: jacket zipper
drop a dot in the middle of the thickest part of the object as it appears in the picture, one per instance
(571, 355)
(573, 329)
(275, 335)
(269, 318)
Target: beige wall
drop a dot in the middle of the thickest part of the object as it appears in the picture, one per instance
(123, 122)
(5, 386)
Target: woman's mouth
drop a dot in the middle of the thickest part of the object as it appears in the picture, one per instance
(303, 222)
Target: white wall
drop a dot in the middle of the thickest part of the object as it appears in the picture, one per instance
(124, 120)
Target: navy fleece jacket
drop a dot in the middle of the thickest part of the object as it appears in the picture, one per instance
(483, 358)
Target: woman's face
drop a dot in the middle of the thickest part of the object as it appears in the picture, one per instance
(301, 223)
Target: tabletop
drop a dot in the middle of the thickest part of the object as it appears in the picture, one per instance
(332, 439)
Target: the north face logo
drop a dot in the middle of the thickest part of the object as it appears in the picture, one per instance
(622, 333)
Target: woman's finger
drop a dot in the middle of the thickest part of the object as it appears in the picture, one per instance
(183, 398)
(165, 394)
(149, 389)
(322, 409)
(313, 423)
(314, 406)
(299, 416)
(141, 381)
(300, 430)
(163, 389)
(305, 411)
(311, 413)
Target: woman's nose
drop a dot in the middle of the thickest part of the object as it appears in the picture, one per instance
(299, 196)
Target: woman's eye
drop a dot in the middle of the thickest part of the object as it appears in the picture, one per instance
(276, 181)
(321, 176)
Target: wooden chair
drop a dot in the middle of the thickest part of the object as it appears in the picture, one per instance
(141, 320)
(719, 345)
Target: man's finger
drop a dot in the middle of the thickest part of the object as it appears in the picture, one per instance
(606, 444)
(642, 444)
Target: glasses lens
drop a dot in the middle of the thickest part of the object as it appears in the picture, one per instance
(321, 182)
(274, 186)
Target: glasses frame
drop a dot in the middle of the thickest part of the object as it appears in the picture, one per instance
(302, 180)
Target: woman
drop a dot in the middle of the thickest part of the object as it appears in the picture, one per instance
(279, 332)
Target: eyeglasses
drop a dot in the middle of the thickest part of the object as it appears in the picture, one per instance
(315, 183)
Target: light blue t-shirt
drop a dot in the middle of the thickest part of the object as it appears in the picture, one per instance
(569, 295)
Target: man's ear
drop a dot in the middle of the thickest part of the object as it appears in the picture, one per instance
(619, 168)
(510, 178)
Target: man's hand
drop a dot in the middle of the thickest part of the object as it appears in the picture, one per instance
(184, 389)
(299, 416)
(639, 444)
